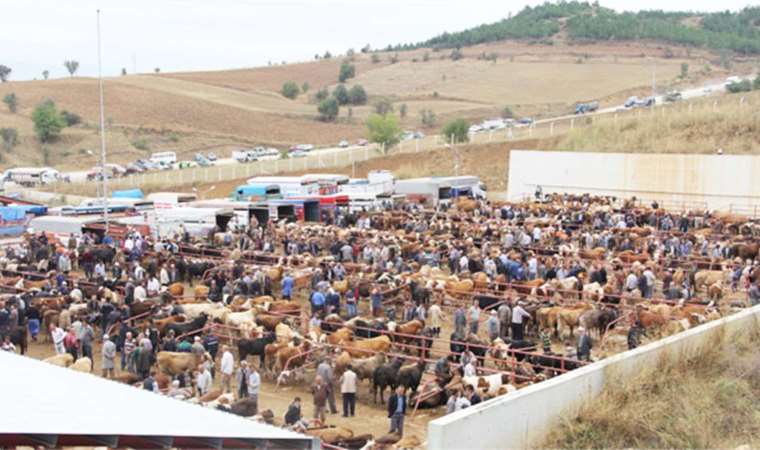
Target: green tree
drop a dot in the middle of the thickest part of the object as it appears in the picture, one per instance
(357, 95)
(123, 71)
(402, 110)
(47, 122)
(321, 94)
(328, 109)
(45, 74)
(4, 72)
(327, 55)
(72, 66)
(10, 136)
(684, 70)
(456, 130)
(305, 87)
(741, 86)
(394, 58)
(340, 93)
(157, 69)
(384, 130)
(507, 113)
(290, 90)
(347, 71)
(383, 106)
(456, 54)
(11, 101)
(375, 58)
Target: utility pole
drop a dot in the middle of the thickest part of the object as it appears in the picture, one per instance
(654, 78)
(103, 175)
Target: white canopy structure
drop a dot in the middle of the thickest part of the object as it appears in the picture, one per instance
(46, 405)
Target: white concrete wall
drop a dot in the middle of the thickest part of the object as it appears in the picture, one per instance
(717, 180)
(521, 419)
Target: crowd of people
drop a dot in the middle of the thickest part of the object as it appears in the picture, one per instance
(585, 238)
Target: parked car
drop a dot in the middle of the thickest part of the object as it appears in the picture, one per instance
(145, 164)
(673, 96)
(211, 156)
(133, 168)
(631, 102)
(202, 160)
(362, 142)
(163, 165)
(525, 121)
(297, 154)
(343, 143)
(184, 164)
(475, 129)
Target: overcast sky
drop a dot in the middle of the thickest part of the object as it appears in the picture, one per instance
(175, 35)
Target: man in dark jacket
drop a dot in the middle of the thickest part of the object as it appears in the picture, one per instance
(584, 345)
(397, 410)
(294, 412)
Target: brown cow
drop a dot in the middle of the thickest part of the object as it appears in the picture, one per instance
(341, 336)
(174, 363)
(292, 356)
(177, 289)
(368, 347)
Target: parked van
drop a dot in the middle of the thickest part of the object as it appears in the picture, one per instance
(164, 158)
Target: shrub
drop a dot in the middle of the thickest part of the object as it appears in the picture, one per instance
(383, 106)
(456, 54)
(340, 93)
(328, 109)
(741, 86)
(48, 123)
(71, 118)
(11, 101)
(346, 71)
(456, 130)
(140, 144)
(357, 95)
(402, 110)
(428, 118)
(322, 94)
(375, 58)
(290, 90)
(9, 136)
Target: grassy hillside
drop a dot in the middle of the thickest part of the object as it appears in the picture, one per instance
(706, 402)
(732, 126)
(739, 32)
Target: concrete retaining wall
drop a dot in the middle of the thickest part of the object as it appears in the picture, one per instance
(716, 181)
(521, 419)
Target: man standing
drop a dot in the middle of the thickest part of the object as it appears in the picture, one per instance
(228, 366)
(492, 326)
(58, 336)
(505, 318)
(287, 286)
(86, 336)
(254, 384)
(460, 320)
(518, 315)
(243, 374)
(436, 317)
(109, 355)
(319, 391)
(397, 410)
(584, 345)
(348, 391)
(474, 317)
(754, 294)
(325, 371)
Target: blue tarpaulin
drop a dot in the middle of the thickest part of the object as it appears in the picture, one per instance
(13, 220)
(129, 193)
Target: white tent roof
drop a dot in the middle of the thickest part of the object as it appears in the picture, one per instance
(53, 406)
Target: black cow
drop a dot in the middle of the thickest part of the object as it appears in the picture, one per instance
(248, 347)
(19, 337)
(180, 328)
(384, 376)
(553, 365)
(410, 377)
(488, 301)
(197, 270)
(104, 254)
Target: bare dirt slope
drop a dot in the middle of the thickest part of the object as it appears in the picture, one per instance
(243, 107)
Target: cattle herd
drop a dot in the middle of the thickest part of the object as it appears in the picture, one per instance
(374, 291)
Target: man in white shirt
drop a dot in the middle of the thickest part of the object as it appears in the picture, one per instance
(518, 316)
(348, 391)
(203, 381)
(140, 293)
(254, 383)
(153, 286)
(228, 366)
(58, 334)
